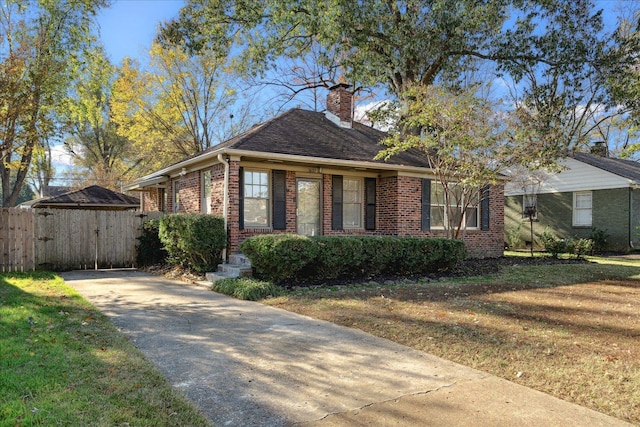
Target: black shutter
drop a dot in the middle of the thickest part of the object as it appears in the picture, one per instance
(279, 179)
(336, 202)
(370, 203)
(426, 204)
(241, 200)
(484, 209)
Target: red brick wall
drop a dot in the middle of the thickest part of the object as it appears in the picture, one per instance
(401, 212)
(190, 192)
(398, 210)
(150, 200)
(217, 189)
(233, 223)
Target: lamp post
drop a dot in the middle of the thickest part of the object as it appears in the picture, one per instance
(530, 211)
(531, 189)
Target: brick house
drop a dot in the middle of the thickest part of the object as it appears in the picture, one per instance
(314, 174)
(592, 190)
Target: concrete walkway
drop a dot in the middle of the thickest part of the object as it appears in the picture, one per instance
(246, 364)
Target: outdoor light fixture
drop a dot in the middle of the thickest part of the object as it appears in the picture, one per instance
(531, 189)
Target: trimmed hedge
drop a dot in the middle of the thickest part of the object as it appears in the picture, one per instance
(193, 240)
(290, 257)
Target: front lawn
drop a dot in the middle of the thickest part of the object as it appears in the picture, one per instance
(570, 330)
(63, 363)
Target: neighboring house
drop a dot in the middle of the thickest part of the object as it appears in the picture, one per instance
(591, 191)
(314, 174)
(93, 197)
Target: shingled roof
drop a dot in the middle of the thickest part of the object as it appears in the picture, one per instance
(93, 196)
(625, 168)
(309, 133)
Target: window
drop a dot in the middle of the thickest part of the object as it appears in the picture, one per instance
(256, 198)
(352, 203)
(527, 201)
(582, 209)
(176, 196)
(205, 203)
(442, 214)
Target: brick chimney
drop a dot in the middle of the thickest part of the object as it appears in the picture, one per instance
(339, 105)
(600, 148)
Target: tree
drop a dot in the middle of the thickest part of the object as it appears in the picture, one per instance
(42, 171)
(38, 53)
(624, 81)
(104, 156)
(463, 140)
(178, 107)
(398, 44)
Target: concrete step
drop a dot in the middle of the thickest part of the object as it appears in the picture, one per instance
(235, 270)
(214, 277)
(239, 259)
(239, 267)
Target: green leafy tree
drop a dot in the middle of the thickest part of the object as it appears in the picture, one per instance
(624, 81)
(40, 45)
(463, 140)
(102, 155)
(399, 44)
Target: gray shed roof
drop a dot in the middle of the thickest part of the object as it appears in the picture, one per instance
(93, 196)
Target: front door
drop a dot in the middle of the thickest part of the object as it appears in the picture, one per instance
(309, 207)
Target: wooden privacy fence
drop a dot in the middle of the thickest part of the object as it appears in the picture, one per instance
(64, 239)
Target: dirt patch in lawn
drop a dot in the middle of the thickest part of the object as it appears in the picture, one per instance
(571, 329)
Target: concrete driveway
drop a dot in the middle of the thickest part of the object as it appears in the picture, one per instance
(246, 364)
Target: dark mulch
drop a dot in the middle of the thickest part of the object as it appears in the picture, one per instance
(481, 267)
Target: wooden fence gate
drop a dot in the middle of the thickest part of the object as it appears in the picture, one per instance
(64, 239)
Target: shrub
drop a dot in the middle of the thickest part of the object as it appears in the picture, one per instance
(453, 251)
(552, 244)
(246, 288)
(149, 250)
(279, 257)
(599, 238)
(577, 247)
(581, 247)
(514, 238)
(338, 258)
(193, 240)
(284, 257)
(379, 255)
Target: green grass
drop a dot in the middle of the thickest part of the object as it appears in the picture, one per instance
(63, 363)
(246, 288)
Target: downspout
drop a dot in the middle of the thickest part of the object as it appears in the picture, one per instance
(225, 201)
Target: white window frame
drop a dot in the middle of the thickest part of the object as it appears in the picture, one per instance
(358, 203)
(445, 217)
(246, 172)
(576, 209)
(205, 199)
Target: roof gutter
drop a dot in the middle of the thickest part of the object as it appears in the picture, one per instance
(163, 174)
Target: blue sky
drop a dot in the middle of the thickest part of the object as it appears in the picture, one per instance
(128, 27)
